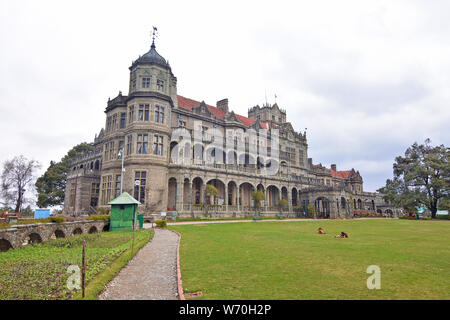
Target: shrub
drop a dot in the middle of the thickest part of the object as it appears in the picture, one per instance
(443, 217)
(161, 223)
(98, 217)
(58, 219)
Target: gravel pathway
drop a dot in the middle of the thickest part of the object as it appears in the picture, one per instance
(151, 274)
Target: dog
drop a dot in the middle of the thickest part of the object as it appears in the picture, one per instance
(320, 231)
(342, 235)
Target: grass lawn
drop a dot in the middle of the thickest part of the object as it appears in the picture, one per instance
(289, 260)
(39, 271)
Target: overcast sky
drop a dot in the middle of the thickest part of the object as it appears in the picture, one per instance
(367, 78)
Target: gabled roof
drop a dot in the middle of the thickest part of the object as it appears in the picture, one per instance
(341, 174)
(124, 198)
(189, 104)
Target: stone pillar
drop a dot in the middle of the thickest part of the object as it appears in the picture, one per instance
(280, 196)
(266, 196)
(238, 197)
(226, 197)
(333, 209)
(202, 193)
(289, 194)
(180, 194)
(190, 194)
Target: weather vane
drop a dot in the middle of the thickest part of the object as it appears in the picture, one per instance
(154, 34)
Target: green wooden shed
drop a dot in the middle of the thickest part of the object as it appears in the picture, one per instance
(123, 212)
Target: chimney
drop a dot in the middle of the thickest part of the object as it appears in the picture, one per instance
(310, 162)
(333, 167)
(223, 105)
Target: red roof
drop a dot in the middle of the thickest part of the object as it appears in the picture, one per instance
(340, 174)
(188, 104)
(245, 121)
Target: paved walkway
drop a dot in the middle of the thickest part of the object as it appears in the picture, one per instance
(151, 274)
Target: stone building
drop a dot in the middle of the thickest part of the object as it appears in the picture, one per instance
(169, 172)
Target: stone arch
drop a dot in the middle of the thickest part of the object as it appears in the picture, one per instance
(32, 237)
(97, 165)
(93, 229)
(322, 207)
(343, 203)
(197, 190)
(174, 152)
(294, 196)
(77, 230)
(59, 233)
(273, 196)
(220, 186)
(284, 193)
(245, 191)
(232, 193)
(5, 245)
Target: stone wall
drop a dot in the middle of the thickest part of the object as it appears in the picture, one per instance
(20, 235)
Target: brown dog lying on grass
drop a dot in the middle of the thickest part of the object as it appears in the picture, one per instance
(320, 231)
(342, 235)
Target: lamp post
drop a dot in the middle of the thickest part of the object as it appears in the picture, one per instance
(121, 171)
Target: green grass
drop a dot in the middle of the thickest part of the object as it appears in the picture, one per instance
(289, 260)
(39, 271)
(190, 219)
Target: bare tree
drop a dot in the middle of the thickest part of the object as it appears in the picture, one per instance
(17, 174)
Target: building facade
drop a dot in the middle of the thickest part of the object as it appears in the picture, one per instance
(172, 146)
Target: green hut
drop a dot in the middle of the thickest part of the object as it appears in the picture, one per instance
(123, 212)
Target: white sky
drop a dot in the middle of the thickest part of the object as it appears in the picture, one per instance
(367, 78)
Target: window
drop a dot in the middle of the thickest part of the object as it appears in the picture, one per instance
(182, 124)
(108, 123)
(160, 85)
(109, 150)
(158, 145)
(142, 144)
(117, 193)
(112, 154)
(123, 118)
(129, 144)
(133, 84)
(140, 181)
(120, 146)
(159, 114)
(131, 114)
(106, 189)
(114, 121)
(145, 82)
(144, 110)
(95, 191)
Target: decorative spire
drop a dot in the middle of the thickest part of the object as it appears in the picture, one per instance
(154, 35)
